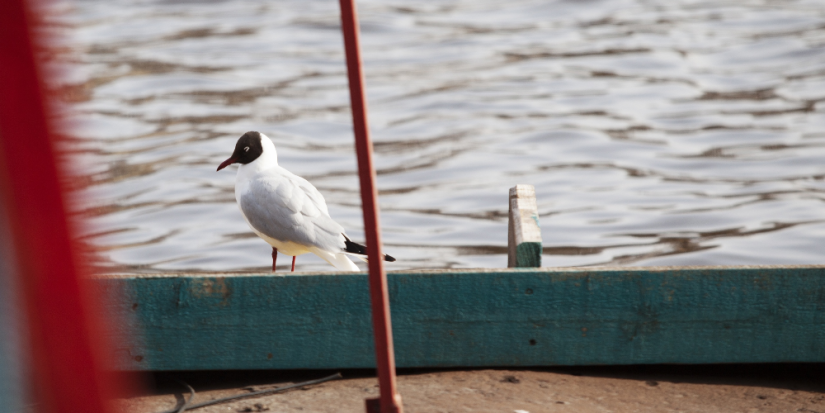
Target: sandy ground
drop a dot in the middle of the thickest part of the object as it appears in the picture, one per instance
(707, 389)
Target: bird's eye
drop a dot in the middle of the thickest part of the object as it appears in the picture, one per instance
(246, 149)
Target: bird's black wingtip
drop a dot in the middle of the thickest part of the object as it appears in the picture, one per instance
(356, 248)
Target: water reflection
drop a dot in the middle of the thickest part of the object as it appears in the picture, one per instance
(669, 133)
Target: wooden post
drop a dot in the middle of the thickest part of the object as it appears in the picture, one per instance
(524, 238)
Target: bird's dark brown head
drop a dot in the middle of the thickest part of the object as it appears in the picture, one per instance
(247, 149)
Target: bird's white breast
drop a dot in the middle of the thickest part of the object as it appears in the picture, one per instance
(247, 173)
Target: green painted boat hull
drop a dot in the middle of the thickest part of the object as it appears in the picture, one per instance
(472, 318)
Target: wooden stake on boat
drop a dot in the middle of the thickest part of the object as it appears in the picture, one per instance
(524, 237)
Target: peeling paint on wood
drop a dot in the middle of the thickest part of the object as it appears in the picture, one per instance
(524, 236)
(468, 318)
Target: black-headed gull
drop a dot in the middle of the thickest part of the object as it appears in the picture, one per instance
(286, 210)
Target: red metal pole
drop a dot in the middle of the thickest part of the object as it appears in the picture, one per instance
(65, 367)
(390, 401)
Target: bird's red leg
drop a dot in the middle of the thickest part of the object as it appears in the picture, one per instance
(274, 257)
(293, 262)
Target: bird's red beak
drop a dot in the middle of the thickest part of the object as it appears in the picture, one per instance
(226, 163)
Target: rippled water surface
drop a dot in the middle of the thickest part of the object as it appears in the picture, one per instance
(655, 133)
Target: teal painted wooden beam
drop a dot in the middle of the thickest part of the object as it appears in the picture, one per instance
(474, 318)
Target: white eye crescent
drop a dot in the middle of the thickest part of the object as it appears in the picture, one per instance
(246, 149)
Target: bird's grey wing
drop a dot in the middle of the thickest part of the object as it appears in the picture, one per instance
(280, 206)
(314, 197)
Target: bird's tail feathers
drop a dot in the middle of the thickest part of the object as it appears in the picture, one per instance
(339, 261)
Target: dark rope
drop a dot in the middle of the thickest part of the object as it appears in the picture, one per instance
(187, 406)
(182, 408)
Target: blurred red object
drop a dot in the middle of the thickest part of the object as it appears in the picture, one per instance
(63, 344)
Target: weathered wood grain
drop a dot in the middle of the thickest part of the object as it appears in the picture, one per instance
(518, 317)
(524, 234)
